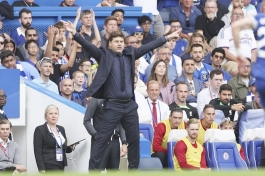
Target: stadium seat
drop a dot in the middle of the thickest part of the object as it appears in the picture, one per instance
(207, 136)
(145, 148)
(245, 144)
(150, 164)
(146, 131)
(250, 119)
(174, 136)
(219, 117)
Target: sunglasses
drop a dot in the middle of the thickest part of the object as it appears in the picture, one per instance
(45, 59)
(187, 22)
(32, 35)
(139, 33)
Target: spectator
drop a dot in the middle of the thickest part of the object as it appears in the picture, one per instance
(2, 104)
(225, 40)
(79, 93)
(149, 6)
(30, 34)
(235, 4)
(145, 22)
(207, 122)
(32, 48)
(159, 74)
(189, 154)
(182, 92)
(251, 90)
(222, 10)
(206, 95)
(10, 153)
(226, 104)
(68, 3)
(67, 89)
(187, 14)
(119, 15)
(240, 83)
(45, 71)
(110, 25)
(26, 70)
(163, 53)
(261, 7)
(195, 85)
(25, 3)
(162, 130)
(181, 44)
(249, 9)
(203, 70)
(4, 38)
(217, 57)
(2, 42)
(63, 58)
(85, 67)
(209, 24)
(110, 3)
(158, 109)
(11, 46)
(229, 125)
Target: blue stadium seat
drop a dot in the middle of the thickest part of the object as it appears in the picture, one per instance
(145, 148)
(150, 164)
(146, 131)
(245, 145)
(207, 154)
(255, 153)
(170, 154)
(219, 117)
(250, 119)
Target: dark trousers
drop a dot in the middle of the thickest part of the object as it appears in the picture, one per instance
(162, 157)
(126, 114)
(52, 167)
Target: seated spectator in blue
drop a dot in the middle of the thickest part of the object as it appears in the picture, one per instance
(145, 22)
(163, 53)
(203, 70)
(119, 15)
(25, 19)
(181, 44)
(26, 70)
(25, 3)
(11, 46)
(222, 10)
(30, 34)
(167, 4)
(218, 55)
(85, 67)
(68, 3)
(67, 89)
(197, 38)
(195, 85)
(187, 21)
(79, 92)
(110, 3)
(32, 48)
(43, 80)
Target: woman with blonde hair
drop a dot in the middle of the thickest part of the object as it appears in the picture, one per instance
(167, 88)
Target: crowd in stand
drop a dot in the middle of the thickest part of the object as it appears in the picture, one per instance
(191, 76)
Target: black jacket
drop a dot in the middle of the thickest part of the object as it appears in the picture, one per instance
(45, 146)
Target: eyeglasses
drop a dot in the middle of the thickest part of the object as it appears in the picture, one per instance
(187, 22)
(2, 96)
(32, 47)
(138, 33)
(134, 42)
(2, 43)
(45, 59)
(216, 56)
(238, 14)
(32, 35)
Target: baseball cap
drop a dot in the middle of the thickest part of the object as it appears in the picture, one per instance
(252, 81)
(136, 29)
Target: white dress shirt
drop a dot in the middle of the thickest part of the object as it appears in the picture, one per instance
(139, 99)
(204, 97)
(59, 139)
(3, 143)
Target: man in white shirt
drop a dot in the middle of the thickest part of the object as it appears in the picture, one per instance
(206, 95)
(158, 110)
(9, 150)
(225, 40)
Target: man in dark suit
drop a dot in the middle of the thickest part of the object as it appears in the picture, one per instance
(2, 104)
(114, 82)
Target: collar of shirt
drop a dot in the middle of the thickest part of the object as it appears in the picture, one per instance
(2, 111)
(3, 143)
(202, 65)
(182, 10)
(19, 32)
(213, 96)
(151, 101)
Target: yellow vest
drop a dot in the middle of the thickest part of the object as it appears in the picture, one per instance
(165, 137)
(193, 155)
(200, 137)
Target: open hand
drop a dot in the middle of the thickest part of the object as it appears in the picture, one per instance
(69, 26)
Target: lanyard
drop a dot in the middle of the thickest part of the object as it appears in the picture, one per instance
(173, 61)
(4, 150)
(58, 131)
(26, 4)
(152, 111)
(211, 95)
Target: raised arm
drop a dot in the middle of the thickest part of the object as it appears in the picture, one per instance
(66, 67)
(95, 26)
(50, 35)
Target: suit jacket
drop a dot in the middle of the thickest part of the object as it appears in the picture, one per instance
(45, 146)
(198, 85)
(105, 58)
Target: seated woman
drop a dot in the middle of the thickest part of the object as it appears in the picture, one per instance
(50, 143)
(167, 88)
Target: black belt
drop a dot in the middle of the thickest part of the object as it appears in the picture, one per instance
(119, 100)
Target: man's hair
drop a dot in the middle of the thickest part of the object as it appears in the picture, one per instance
(58, 43)
(151, 82)
(218, 50)
(227, 123)
(117, 10)
(59, 25)
(5, 121)
(45, 60)
(207, 106)
(84, 60)
(30, 28)
(181, 82)
(216, 72)
(186, 59)
(29, 42)
(225, 87)
(211, 1)
(143, 19)
(192, 121)
(196, 45)
(175, 109)
(24, 10)
(113, 35)
(4, 54)
(161, 47)
(75, 73)
(248, 59)
(153, 76)
(84, 12)
(54, 48)
(195, 34)
(109, 18)
(174, 21)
